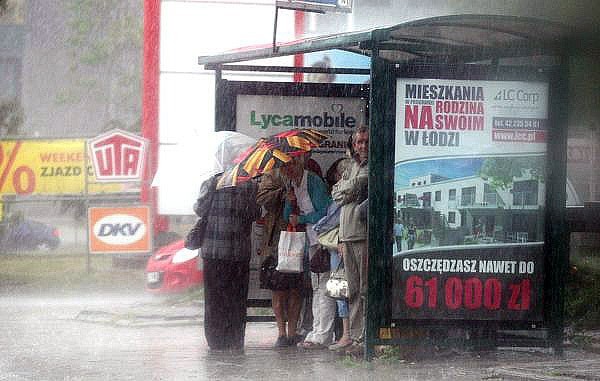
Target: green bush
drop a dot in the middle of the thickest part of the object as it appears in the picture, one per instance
(582, 294)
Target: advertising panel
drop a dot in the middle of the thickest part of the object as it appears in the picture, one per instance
(119, 230)
(262, 115)
(118, 156)
(469, 191)
(48, 167)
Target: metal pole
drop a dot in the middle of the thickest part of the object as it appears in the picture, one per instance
(87, 206)
(275, 30)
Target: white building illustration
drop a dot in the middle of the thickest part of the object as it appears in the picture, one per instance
(453, 211)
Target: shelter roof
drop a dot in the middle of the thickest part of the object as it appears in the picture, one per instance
(445, 39)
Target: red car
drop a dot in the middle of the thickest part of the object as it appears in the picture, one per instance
(173, 268)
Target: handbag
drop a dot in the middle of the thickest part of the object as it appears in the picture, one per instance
(330, 238)
(271, 279)
(337, 284)
(320, 261)
(268, 276)
(195, 237)
(290, 251)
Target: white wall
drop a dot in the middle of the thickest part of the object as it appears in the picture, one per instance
(189, 29)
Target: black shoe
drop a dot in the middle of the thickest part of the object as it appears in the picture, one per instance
(294, 340)
(281, 342)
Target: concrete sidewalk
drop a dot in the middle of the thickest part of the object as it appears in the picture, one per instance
(578, 362)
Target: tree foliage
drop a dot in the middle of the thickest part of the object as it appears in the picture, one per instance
(501, 171)
(11, 118)
(105, 42)
(12, 11)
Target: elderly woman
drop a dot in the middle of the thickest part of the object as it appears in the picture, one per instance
(226, 255)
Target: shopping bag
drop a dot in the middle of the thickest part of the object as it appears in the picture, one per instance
(330, 238)
(290, 252)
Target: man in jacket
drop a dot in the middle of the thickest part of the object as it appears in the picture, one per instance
(349, 192)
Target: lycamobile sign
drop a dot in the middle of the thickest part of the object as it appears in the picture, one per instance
(325, 119)
(261, 116)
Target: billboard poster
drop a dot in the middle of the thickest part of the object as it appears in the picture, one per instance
(50, 167)
(262, 115)
(469, 187)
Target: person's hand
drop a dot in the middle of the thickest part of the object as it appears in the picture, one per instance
(340, 248)
(293, 219)
(290, 195)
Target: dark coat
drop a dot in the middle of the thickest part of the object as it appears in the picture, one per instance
(229, 224)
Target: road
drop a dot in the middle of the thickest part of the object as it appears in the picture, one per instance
(138, 337)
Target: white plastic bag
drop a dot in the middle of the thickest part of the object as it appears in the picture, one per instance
(290, 252)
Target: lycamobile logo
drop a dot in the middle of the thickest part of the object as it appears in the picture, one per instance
(325, 119)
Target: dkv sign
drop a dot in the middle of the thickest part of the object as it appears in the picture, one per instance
(118, 156)
(119, 229)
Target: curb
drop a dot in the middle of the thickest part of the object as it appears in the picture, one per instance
(137, 319)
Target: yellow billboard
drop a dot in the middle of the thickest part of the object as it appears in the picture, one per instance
(49, 167)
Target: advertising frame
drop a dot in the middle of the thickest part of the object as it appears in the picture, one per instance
(381, 326)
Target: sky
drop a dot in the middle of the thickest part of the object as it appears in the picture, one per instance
(450, 168)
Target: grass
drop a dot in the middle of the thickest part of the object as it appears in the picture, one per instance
(583, 290)
(57, 272)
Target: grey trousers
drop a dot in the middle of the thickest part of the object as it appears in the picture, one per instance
(355, 266)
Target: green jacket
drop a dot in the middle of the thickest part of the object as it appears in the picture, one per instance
(319, 196)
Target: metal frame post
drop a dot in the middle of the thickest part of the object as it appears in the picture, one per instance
(557, 234)
(381, 200)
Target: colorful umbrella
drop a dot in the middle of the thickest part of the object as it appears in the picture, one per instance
(297, 141)
(271, 152)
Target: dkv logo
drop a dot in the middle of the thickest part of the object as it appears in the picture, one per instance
(119, 229)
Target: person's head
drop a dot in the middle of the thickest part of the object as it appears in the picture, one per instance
(294, 169)
(360, 143)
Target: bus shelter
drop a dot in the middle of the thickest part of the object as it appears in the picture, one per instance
(468, 131)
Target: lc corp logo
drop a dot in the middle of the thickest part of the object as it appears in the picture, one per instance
(327, 119)
(119, 229)
(118, 156)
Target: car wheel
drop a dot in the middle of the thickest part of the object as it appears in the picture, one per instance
(44, 246)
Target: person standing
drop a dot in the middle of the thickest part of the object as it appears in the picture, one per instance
(349, 192)
(287, 293)
(306, 202)
(226, 253)
(398, 234)
(411, 234)
(334, 174)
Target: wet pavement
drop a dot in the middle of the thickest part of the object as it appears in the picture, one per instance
(139, 337)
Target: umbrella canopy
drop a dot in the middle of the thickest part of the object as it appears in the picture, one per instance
(297, 141)
(271, 152)
(202, 156)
